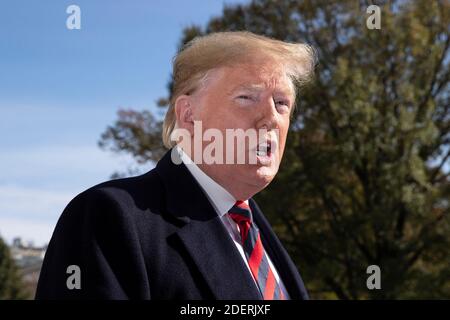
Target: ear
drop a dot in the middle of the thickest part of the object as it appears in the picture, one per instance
(184, 113)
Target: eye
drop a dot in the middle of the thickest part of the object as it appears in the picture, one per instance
(282, 102)
(245, 97)
(282, 105)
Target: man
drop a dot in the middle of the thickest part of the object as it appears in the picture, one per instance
(189, 229)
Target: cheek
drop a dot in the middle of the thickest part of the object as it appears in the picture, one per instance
(232, 120)
(213, 120)
(221, 116)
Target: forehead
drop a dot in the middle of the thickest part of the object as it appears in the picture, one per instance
(255, 77)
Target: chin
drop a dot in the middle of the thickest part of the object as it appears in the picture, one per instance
(265, 175)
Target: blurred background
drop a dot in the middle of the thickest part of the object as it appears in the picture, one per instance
(365, 176)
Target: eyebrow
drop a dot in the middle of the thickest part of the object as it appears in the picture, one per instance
(260, 87)
(251, 87)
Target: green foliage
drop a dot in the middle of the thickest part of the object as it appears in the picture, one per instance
(11, 286)
(365, 175)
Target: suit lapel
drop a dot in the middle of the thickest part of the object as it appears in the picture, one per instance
(218, 261)
(204, 236)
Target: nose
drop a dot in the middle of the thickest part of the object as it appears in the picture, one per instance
(267, 115)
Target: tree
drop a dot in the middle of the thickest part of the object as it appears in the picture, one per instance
(365, 176)
(11, 286)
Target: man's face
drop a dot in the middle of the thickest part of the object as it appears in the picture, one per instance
(250, 96)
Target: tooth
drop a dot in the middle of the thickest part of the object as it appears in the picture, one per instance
(261, 153)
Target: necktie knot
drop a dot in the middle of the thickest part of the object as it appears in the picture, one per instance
(242, 215)
(241, 211)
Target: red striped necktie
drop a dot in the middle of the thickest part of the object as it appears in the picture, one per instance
(255, 253)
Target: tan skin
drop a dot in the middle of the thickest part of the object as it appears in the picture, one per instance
(257, 95)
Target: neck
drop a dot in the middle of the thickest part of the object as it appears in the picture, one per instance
(239, 191)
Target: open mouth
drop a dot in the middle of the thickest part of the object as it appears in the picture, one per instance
(264, 149)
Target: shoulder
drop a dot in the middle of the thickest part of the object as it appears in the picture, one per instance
(98, 230)
(119, 199)
(124, 191)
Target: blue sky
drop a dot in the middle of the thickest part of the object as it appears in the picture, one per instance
(60, 89)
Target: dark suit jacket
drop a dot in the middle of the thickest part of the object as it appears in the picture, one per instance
(154, 236)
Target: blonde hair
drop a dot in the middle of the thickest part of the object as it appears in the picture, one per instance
(202, 54)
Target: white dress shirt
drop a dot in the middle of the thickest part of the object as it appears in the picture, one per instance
(223, 201)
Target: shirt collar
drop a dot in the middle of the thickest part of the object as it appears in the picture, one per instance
(219, 197)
